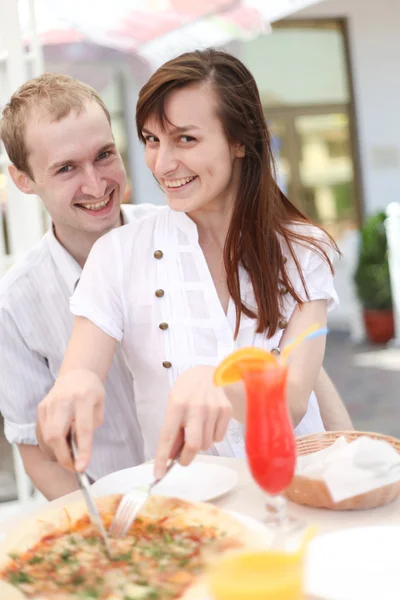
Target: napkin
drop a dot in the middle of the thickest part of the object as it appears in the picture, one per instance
(352, 468)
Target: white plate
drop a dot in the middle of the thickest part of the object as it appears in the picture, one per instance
(254, 525)
(355, 564)
(199, 482)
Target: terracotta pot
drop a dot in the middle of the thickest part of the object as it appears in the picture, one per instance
(379, 325)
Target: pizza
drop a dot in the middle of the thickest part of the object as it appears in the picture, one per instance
(164, 555)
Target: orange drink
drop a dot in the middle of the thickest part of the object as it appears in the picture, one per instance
(258, 575)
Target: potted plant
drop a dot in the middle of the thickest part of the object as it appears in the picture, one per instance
(372, 280)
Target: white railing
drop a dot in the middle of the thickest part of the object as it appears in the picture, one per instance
(23, 213)
(392, 226)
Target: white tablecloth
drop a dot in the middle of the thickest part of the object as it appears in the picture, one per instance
(248, 499)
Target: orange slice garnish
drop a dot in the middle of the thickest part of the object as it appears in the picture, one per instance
(245, 359)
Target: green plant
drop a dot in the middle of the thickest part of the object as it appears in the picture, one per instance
(372, 277)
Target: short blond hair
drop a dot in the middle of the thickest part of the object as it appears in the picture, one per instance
(55, 94)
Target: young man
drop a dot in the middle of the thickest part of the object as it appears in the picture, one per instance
(57, 133)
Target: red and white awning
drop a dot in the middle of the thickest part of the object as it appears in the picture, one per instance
(156, 29)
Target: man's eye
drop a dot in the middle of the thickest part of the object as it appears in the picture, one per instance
(150, 138)
(103, 155)
(65, 169)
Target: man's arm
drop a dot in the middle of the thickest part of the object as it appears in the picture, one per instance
(24, 379)
(333, 411)
(48, 477)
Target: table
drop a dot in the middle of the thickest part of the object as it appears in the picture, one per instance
(248, 499)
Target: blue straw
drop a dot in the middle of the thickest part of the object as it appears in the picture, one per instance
(315, 334)
(312, 335)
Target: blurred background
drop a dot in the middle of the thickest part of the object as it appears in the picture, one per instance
(327, 73)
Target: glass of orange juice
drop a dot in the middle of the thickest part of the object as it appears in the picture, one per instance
(258, 575)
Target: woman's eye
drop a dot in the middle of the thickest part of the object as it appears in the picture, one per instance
(187, 138)
(150, 138)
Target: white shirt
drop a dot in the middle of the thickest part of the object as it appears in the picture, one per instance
(35, 327)
(128, 289)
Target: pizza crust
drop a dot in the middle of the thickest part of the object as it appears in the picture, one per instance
(60, 519)
(9, 592)
(179, 512)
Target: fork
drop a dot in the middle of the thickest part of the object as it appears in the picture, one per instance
(133, 501)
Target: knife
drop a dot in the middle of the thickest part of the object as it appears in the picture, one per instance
(84, 485)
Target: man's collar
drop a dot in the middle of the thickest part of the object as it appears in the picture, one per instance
(126, 216)
(66, 264)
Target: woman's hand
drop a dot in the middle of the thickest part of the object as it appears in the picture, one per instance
(198, 413)
(76, 399)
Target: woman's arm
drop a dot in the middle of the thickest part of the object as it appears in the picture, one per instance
(305, 363)
(88, 348)
(77, 395)
(306, 359)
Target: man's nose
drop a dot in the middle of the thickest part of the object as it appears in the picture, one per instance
(94, 184)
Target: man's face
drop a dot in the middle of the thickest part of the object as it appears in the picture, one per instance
(77, 170)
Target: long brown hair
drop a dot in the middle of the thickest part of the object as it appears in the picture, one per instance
(262, 214)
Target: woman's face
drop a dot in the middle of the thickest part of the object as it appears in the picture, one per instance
(190, 156)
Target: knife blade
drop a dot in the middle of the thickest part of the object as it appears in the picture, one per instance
(84, 485)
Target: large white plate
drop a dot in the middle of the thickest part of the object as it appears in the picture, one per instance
(265, 534)
(355, 564)
(199, 482)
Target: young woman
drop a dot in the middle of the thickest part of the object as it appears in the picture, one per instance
(230, 262)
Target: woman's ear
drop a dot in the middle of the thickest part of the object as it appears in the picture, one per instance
(240, 151)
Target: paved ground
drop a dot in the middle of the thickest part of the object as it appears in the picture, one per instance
(7, 482)
(367, 377)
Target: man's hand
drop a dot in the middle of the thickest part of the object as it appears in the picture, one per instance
(198, 411)
(76, 400)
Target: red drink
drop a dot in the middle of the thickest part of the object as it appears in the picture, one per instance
(270, 441)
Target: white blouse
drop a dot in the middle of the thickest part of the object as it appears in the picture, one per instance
(148, 285)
